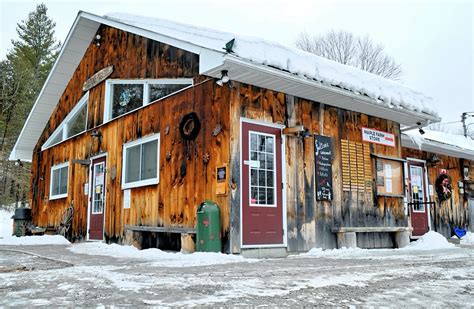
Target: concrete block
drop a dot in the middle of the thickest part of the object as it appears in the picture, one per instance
(260, 253)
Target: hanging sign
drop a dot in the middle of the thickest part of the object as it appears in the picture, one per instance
(323, 157)
(98, 77)
(378, 137)
(221, 180)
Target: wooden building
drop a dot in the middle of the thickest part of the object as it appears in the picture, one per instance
(141, 120)
(440, 181)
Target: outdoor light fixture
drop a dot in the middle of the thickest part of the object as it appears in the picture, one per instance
(97, 134)
(224, 78)
(421, 131)
(299, 130)
(97, 40)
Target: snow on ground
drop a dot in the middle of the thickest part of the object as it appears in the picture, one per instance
(158, 257)
(429, 241)
(6, 237)
(468, 239)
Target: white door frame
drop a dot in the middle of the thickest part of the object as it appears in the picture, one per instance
(283, 185)
(427, 184)
(89, 195)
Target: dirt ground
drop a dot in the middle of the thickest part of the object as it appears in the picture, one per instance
(53, 275)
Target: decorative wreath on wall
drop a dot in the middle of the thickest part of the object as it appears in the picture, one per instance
(443, 187)
(190, 126)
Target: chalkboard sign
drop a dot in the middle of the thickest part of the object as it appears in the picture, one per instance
(323, 156)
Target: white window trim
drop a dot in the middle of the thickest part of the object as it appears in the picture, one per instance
(53, 168)
(145, 82)
(147, 182)
(64, 125)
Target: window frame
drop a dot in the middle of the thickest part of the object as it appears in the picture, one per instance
(146, 91)
(63, 127)
(146, 182)
(53, 168)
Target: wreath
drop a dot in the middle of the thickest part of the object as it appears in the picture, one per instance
(443, 187)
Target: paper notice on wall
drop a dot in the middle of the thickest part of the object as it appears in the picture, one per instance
(388, 185)
(387, 170)
(430, 190)
(126, 199)
(86, 188)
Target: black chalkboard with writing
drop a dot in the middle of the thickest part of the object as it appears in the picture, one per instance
(323, 157)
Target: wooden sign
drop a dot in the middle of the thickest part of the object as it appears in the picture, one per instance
(98, 77)
(323, 156)
(378, 137)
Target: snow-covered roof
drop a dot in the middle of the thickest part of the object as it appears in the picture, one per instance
(292, 60)
(253, 61)
(439, 142)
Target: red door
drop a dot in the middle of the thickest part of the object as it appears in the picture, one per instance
(417, 200)
(262, 210)
(97, 199)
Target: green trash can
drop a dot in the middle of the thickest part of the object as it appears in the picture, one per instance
(208, 228)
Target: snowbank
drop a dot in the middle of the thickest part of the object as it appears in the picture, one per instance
(430, 241)
(158, 257)
(468, 239)
(6, 237)
(303, 64)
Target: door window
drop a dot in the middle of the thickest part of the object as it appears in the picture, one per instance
(417, 188)
(262, 169)
(98, 188)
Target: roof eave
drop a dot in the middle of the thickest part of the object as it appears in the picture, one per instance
(438, 148)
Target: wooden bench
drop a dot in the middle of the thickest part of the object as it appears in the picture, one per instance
(346, 236)
(187, 242)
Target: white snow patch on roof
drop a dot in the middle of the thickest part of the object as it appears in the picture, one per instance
(158, 257)
(441, 137)
(306, 65)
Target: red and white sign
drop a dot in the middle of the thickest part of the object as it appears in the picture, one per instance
(378, 137)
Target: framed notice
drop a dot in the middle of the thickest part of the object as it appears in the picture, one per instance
(323, 158)
(389, 177)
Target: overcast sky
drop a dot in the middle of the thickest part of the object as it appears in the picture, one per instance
(433, 40)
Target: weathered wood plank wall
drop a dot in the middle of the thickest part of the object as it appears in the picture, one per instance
(451, 213)
(185, 180)
(309, 221)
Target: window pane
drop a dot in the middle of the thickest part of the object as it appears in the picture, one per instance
(262, 196)
(270, 198)
(58, 138)
(261, 143)
(269, 144)
(78, 123)
(149, 160)
(55, 183)
(63, 180)
(157, 91)
(132, 162)
(269, 179)
(253, 142)
(125, 98)
(261, 178)
(254, 195)
(254, 177)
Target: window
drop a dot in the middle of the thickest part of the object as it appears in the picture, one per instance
(123, 96)
(74, 123)
(59, 181)
(263, 174)
(140, 162)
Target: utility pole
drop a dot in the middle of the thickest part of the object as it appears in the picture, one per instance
(463, 119)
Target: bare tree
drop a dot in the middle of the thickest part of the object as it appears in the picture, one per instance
(347, 48)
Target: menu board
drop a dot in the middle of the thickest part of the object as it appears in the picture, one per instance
(323, 157)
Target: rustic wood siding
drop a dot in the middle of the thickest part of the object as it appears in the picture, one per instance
(310, 221)
(451, 213)
(185, 180)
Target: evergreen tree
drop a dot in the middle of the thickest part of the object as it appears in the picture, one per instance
(22, 75)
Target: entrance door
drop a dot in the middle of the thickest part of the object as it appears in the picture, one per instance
(417, 200)
(97, 199)
(262, 207)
